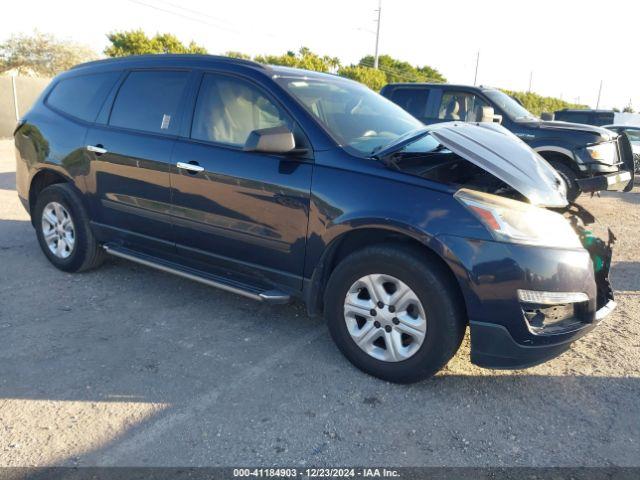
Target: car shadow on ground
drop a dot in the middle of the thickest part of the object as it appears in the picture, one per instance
(450, 420)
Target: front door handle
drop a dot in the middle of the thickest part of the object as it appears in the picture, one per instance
(191, 167)
(97, 149)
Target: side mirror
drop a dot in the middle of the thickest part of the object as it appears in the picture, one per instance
(490, 116)
(270, 140)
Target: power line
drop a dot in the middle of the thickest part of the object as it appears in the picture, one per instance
(199, 20)
(197, 12)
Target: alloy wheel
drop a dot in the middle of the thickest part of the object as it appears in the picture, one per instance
(58, 230)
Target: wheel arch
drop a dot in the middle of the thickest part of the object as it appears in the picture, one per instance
(558, 154)
(364, 236)
(42, 179)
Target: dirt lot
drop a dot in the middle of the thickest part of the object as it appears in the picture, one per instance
(130, 366)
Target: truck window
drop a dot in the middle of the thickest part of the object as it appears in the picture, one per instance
(466, 107)
(574, 117)
(413, 100)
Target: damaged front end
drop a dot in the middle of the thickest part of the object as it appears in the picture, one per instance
(601, 253)
(519, 197)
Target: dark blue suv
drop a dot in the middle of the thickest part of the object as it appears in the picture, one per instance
(277, 184)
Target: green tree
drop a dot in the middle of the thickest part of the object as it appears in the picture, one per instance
(136, 42)
(234, 54)
(41, 54)
(628, 109)
(401, 71)
(304, 58)
(537, 104)
(374, 79)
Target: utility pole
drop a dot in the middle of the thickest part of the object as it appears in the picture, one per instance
(599, 93)
(530, 80)
(475, 78)
(375, 58)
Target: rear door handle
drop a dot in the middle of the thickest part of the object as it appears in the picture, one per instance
(97, 149)
(191, 167)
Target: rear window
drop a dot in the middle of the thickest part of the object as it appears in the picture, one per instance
(82, 96)
(413, 100)
(149, 101)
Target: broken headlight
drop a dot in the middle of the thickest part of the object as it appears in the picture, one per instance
(518, 222)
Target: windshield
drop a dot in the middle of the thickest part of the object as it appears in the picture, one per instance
(355, 116)
(513, 109)
(634, 135)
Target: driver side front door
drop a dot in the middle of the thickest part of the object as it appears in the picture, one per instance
(236, 210)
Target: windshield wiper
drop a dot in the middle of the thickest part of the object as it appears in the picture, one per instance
(393, 160)
(399, 143)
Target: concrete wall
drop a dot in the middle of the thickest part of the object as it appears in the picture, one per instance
(27, 90)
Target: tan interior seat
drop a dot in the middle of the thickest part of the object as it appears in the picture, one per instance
(452, 110)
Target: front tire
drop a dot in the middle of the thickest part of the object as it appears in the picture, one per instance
(63, 230)
(394, 313)
(569, 178)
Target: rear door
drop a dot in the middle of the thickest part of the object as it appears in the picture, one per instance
(131, 158)
(245, 211)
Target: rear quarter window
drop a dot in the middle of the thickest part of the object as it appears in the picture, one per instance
(82, 96)
(150, 101)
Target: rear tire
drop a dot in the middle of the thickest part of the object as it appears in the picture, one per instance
(429, 285)
(63, 230)
(569, 178)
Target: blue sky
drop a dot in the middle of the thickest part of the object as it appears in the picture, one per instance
(568, 45)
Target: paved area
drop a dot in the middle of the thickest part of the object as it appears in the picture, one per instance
(129, 366)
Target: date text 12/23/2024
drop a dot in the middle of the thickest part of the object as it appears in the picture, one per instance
(316, 472)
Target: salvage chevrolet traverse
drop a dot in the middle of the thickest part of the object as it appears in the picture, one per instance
(280, 184)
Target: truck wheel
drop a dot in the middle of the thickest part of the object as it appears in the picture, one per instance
(394, 313)
(63, 230)
(569, 178)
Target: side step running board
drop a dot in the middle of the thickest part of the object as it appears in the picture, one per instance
(269, 296)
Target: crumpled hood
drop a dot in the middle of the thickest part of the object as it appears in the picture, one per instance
(499, 152)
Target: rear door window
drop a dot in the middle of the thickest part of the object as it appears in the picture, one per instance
(413, 100)
(82, 96)
(461, 106)
(150, 101)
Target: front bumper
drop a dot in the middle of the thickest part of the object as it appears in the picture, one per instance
(492, 346)
(613, 181)
(602, 176)
(508, 331)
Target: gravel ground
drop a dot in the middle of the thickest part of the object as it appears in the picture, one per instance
(129, 366)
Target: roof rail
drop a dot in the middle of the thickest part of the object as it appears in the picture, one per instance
(173, 56)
